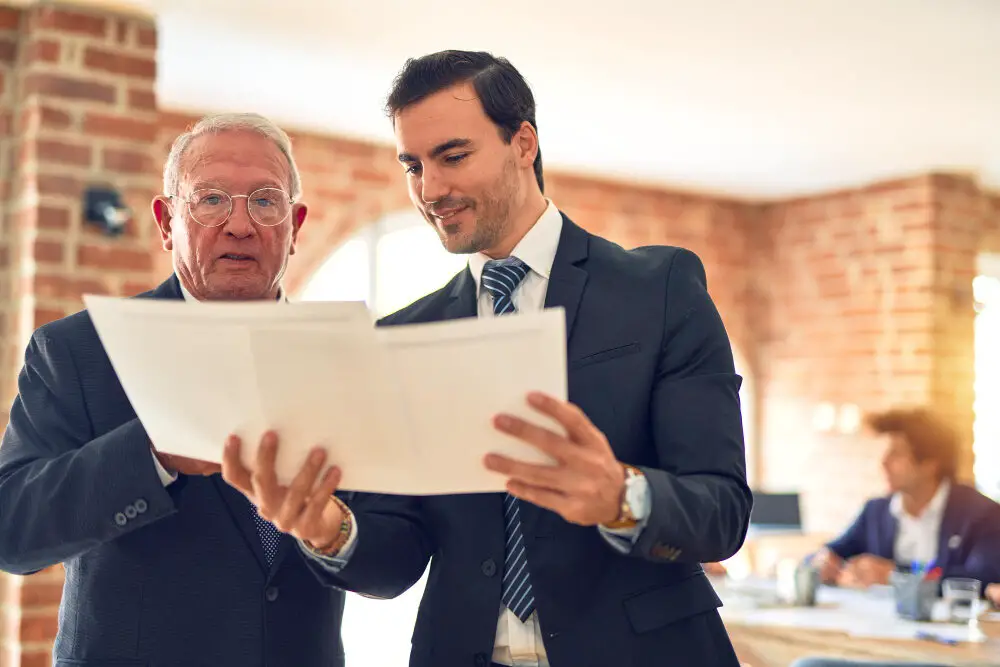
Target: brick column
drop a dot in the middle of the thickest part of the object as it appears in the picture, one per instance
(77, 109)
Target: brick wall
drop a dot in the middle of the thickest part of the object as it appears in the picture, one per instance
(77, 108)
(869, 303)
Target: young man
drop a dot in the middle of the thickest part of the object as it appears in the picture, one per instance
(165, 563)
(595, 561)
(928, 518)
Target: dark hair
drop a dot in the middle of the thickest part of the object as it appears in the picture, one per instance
(503, 92)
(927, 434)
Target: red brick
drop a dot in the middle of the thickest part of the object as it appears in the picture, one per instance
(121, 31)
(128, 162)
(52, 184)
(43, 50)
(131, 288)
(8, 51)
(51, 118)
(35, 658)
(72, 22)
(143, 100)
(113, 258)
(10, 18)
(69, 88)
(370, 176)
(146, 37)
(48, 252)
(40, 594)
(43, 316)
(119, 63)
(65, 287)
(63, 152)
(53, 217)
(42, 627)
(120, 127)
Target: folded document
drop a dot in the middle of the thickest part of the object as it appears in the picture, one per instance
(403, 409)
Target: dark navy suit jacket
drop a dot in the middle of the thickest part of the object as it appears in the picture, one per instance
(969, 544)
(155, 577)
(651, 365)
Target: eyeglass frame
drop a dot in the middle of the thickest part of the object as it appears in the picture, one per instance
(187, 201)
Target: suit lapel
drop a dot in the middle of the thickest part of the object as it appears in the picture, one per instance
(567, 279)
(461, 297)
(888, 534)
(236, 502)
(240, 509)
(950, 529)
(566, 284)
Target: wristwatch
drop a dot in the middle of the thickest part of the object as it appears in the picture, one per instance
(635, 500)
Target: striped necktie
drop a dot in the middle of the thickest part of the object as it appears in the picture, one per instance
(500, 279)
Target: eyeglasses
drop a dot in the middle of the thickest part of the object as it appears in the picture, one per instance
(210, 208)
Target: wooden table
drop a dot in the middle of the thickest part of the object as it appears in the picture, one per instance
(778, 637)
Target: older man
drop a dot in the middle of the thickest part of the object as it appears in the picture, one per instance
(165, 563)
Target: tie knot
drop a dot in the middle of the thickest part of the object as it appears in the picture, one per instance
(500, 278)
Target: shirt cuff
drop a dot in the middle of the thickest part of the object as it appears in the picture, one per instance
(623, 539)
(338, 561)
(167, 478)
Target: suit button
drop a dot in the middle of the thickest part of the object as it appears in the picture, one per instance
(489, 567)
(121, 519)
(131, 512)
(271, 593)
(480, 660)
(141, 506)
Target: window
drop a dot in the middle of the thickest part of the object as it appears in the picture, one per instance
(389, 264)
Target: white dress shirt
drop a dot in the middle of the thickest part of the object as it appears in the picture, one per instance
(917, 537)
(520, 644)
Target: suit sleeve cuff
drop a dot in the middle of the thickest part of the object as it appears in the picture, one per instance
(623, 539)
(338, 561)
(166, 478)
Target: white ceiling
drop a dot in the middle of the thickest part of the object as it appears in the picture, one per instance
(753, 98)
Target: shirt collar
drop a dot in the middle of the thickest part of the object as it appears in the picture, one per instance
(190, 297)
(934, 508)
(537, 249)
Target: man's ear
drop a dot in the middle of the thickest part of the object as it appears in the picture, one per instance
(164, 219)
(299, 211)
(525, 141)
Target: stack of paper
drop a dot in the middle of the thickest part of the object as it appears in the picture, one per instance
(405, 409)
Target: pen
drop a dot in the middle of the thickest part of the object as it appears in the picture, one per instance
(936, 638)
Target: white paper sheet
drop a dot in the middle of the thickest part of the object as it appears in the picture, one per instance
(402, 409)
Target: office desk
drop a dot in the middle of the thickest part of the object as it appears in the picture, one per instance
(846, 624)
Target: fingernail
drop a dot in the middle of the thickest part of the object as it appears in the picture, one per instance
(536, 398)
(503, 421)
(317, 456)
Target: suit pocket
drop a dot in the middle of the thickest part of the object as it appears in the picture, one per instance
(662, 606)
(605, 355)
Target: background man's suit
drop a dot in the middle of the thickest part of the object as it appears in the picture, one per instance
(969, 542)
(155, 577)
(651, 365)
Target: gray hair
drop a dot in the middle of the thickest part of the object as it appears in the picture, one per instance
(223, 122)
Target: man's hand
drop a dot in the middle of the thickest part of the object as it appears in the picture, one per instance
(585, 486)
(993, 594)
(185, 466)
(829, 565)
(301, 509)
(867, 570)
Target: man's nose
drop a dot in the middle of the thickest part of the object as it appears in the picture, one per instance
(239, 223)
(432, 187)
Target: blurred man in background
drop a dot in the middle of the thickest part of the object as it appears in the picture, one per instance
(928, 520)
